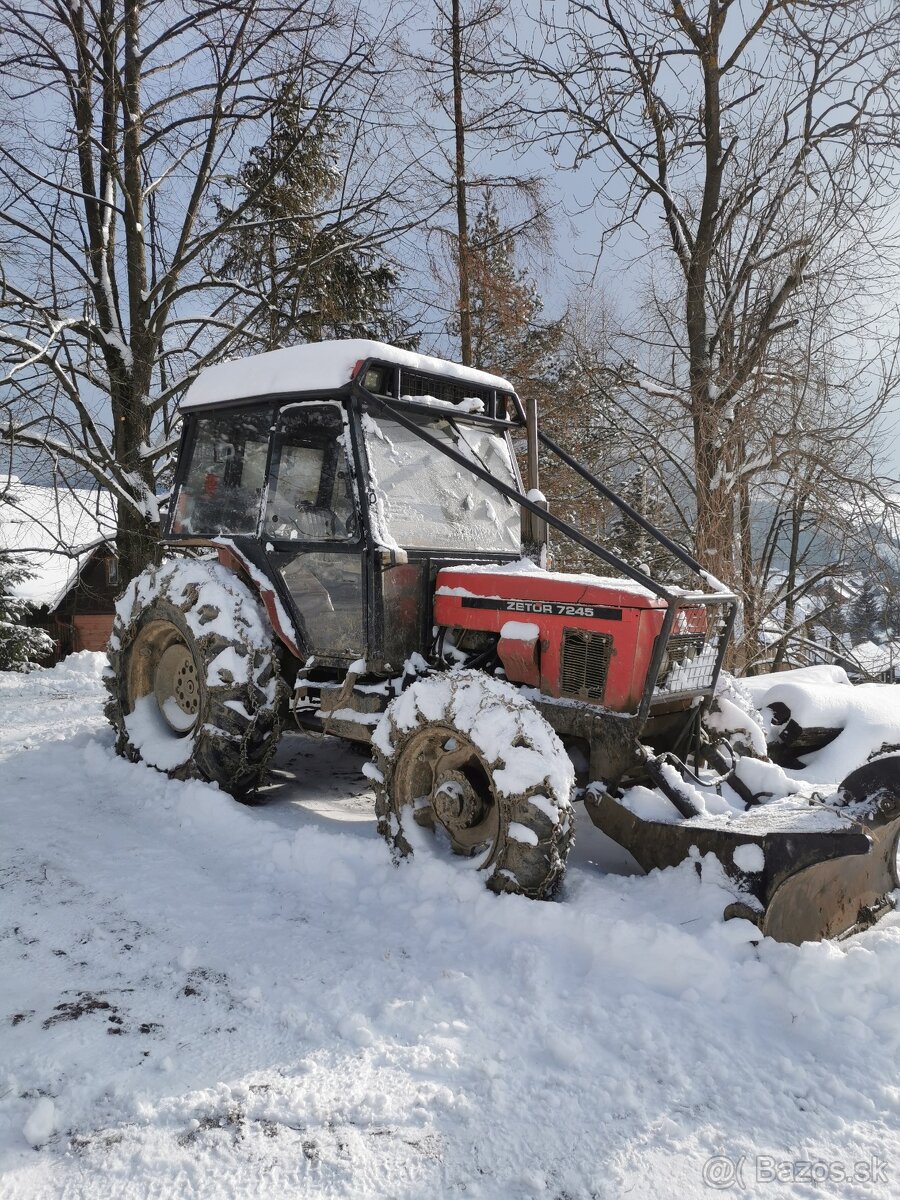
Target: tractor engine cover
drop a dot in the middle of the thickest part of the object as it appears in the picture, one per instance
(577, 637)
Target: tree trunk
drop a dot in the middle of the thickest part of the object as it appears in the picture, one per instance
(715, 526)
(713, 541)
(137, 543)
(790, 584)
(137, 532)
(462, 220)
(750, 633)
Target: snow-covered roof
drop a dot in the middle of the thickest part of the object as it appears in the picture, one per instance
(314, 367)
(873, 658)
(38, 523)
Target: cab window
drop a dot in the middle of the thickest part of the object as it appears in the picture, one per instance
(223, 487)
(310, 497)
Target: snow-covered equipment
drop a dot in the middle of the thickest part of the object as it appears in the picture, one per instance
(354, 551)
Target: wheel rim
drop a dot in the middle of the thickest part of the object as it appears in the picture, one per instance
(177, 688)
(163, 666)
(444, 779)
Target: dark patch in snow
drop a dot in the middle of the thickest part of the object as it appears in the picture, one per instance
(198, 978)
(83, 1006)
(232, 1121)
(81, 1144)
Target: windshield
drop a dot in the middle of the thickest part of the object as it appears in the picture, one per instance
(425, 501)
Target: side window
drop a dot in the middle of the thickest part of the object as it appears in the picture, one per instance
(327, 590)
(310, 496)
(221, 492)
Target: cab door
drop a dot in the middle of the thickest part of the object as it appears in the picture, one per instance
(312, 531)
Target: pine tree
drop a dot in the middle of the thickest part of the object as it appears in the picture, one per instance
(631, 542)
(22, 647)
(307, 269)
(866, 618)
(507, 333)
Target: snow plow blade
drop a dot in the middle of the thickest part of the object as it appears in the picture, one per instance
(827, 871)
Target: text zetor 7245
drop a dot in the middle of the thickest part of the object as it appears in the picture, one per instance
(351, 548)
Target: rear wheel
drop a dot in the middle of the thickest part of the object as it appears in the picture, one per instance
(193, 676)
(464, 763)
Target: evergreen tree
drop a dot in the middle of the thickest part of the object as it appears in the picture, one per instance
(891, 611)
(631, 542)
(866, 619)
(22, 647)
(293, 248)
(508, 336)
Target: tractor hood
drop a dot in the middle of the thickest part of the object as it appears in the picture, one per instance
(579, 637)
(524, 588)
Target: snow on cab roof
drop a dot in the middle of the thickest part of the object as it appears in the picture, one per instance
(52, 532)
(317, 366)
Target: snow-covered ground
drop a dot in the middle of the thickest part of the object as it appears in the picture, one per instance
(204, 999)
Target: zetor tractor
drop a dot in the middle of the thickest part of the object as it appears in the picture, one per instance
(352, 550)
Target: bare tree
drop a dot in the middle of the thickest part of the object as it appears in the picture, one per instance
(762, 142)
(132, 118)
(813, 514)
(466, 140)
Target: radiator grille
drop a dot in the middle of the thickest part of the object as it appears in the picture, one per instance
(585, 662)
(685, 646)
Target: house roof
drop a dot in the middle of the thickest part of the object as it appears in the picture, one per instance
(317, 366)
(53, 532)
(874, 659)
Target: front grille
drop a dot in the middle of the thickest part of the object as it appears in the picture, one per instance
(685, 646)
(585, 662)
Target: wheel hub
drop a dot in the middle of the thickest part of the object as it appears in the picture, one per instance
(442, 777)
(455, 802)
(176, 687)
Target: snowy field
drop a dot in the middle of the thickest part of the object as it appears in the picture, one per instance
(203, 999)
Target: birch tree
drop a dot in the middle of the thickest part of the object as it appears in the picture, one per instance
(131, 118)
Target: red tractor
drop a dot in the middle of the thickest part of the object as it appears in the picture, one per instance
(352, 550)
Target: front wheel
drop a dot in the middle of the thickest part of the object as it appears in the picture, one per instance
(193, 676)
(464, 762)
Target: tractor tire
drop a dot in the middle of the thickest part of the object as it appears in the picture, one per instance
(193, 676)
(463, 760)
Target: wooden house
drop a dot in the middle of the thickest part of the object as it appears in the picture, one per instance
(65, 538)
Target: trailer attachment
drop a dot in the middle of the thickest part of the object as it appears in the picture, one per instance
(803, 870)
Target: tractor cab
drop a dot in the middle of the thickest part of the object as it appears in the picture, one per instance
(348, 507)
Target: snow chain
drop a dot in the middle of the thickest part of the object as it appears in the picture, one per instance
(262, 765)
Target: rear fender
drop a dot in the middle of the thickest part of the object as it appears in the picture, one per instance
(258, 578)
